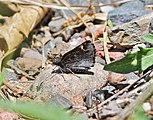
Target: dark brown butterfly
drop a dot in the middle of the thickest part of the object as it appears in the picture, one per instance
(79, 59)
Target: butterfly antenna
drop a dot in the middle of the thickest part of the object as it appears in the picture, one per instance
(53, 69)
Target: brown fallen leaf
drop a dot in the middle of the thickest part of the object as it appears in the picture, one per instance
(16, 28)
(8, 9)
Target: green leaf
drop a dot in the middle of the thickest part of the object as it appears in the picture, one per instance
(1, 78)
(81, 117)
(39, 111)
(140, 61)
(139, 114)
(110, 24)
(148, 38)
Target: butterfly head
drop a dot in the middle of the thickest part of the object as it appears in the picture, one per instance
(57, 61)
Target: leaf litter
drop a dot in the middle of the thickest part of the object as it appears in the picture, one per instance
(102, 95)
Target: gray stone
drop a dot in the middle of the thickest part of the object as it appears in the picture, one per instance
(129, 34)
(56, 25)
(71, 86)
(127, 12)
(59, 100)
(9, 74)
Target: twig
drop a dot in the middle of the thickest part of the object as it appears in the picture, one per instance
(3, 96)
(140, 88)
(15, 90)
(63, 12)
(107, 58)
(43, 57)
(37, 3)
(21, 72)
(69, 7)
(93, 110)
(127, 111)
(52, 5)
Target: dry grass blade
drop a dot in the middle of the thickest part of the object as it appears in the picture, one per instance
(75, 12)
(148, 91)
(107, 58)
(41, 4)
(149, 88)
(56, 6)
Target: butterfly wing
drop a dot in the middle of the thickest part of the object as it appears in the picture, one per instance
(80, 58)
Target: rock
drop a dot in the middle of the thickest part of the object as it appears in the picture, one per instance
(56, 25)
(115, 78)
(76, 39)
(107, 113)
(127, 12)
(146, 107)
(106, 8)
(132, 76)
(7, 115)
(151, 27)
(51, 44)
(29, 53)
(76, 36)
(9, 74)
(136, 47)
(28, 63)
(71, 86)
(146, 2)
(60, 101)
(59, 49)
(131, 33)
(100, 60)
(67, 33)
(69, 13)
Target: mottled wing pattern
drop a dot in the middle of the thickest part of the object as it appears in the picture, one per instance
(80, 59)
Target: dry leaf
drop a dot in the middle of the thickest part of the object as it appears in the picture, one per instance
(17, 28)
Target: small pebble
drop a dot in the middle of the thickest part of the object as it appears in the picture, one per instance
(136, 47)
(146, 107)
(9, 74)
(23, 79)
(106, 9)
(56, 25)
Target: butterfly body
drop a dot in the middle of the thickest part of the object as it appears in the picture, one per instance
(79, 59)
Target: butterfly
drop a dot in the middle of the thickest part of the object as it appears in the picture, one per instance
(78, 60)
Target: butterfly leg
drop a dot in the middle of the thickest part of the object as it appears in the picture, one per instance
(59, 70)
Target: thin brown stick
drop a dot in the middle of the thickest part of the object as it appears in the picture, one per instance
(20, 71)
(53, 5)
(93, 110)
(107, 58)
(18, 91)
(75, 12)
(146, 94)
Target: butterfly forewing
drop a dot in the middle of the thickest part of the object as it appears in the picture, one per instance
(80, 58)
